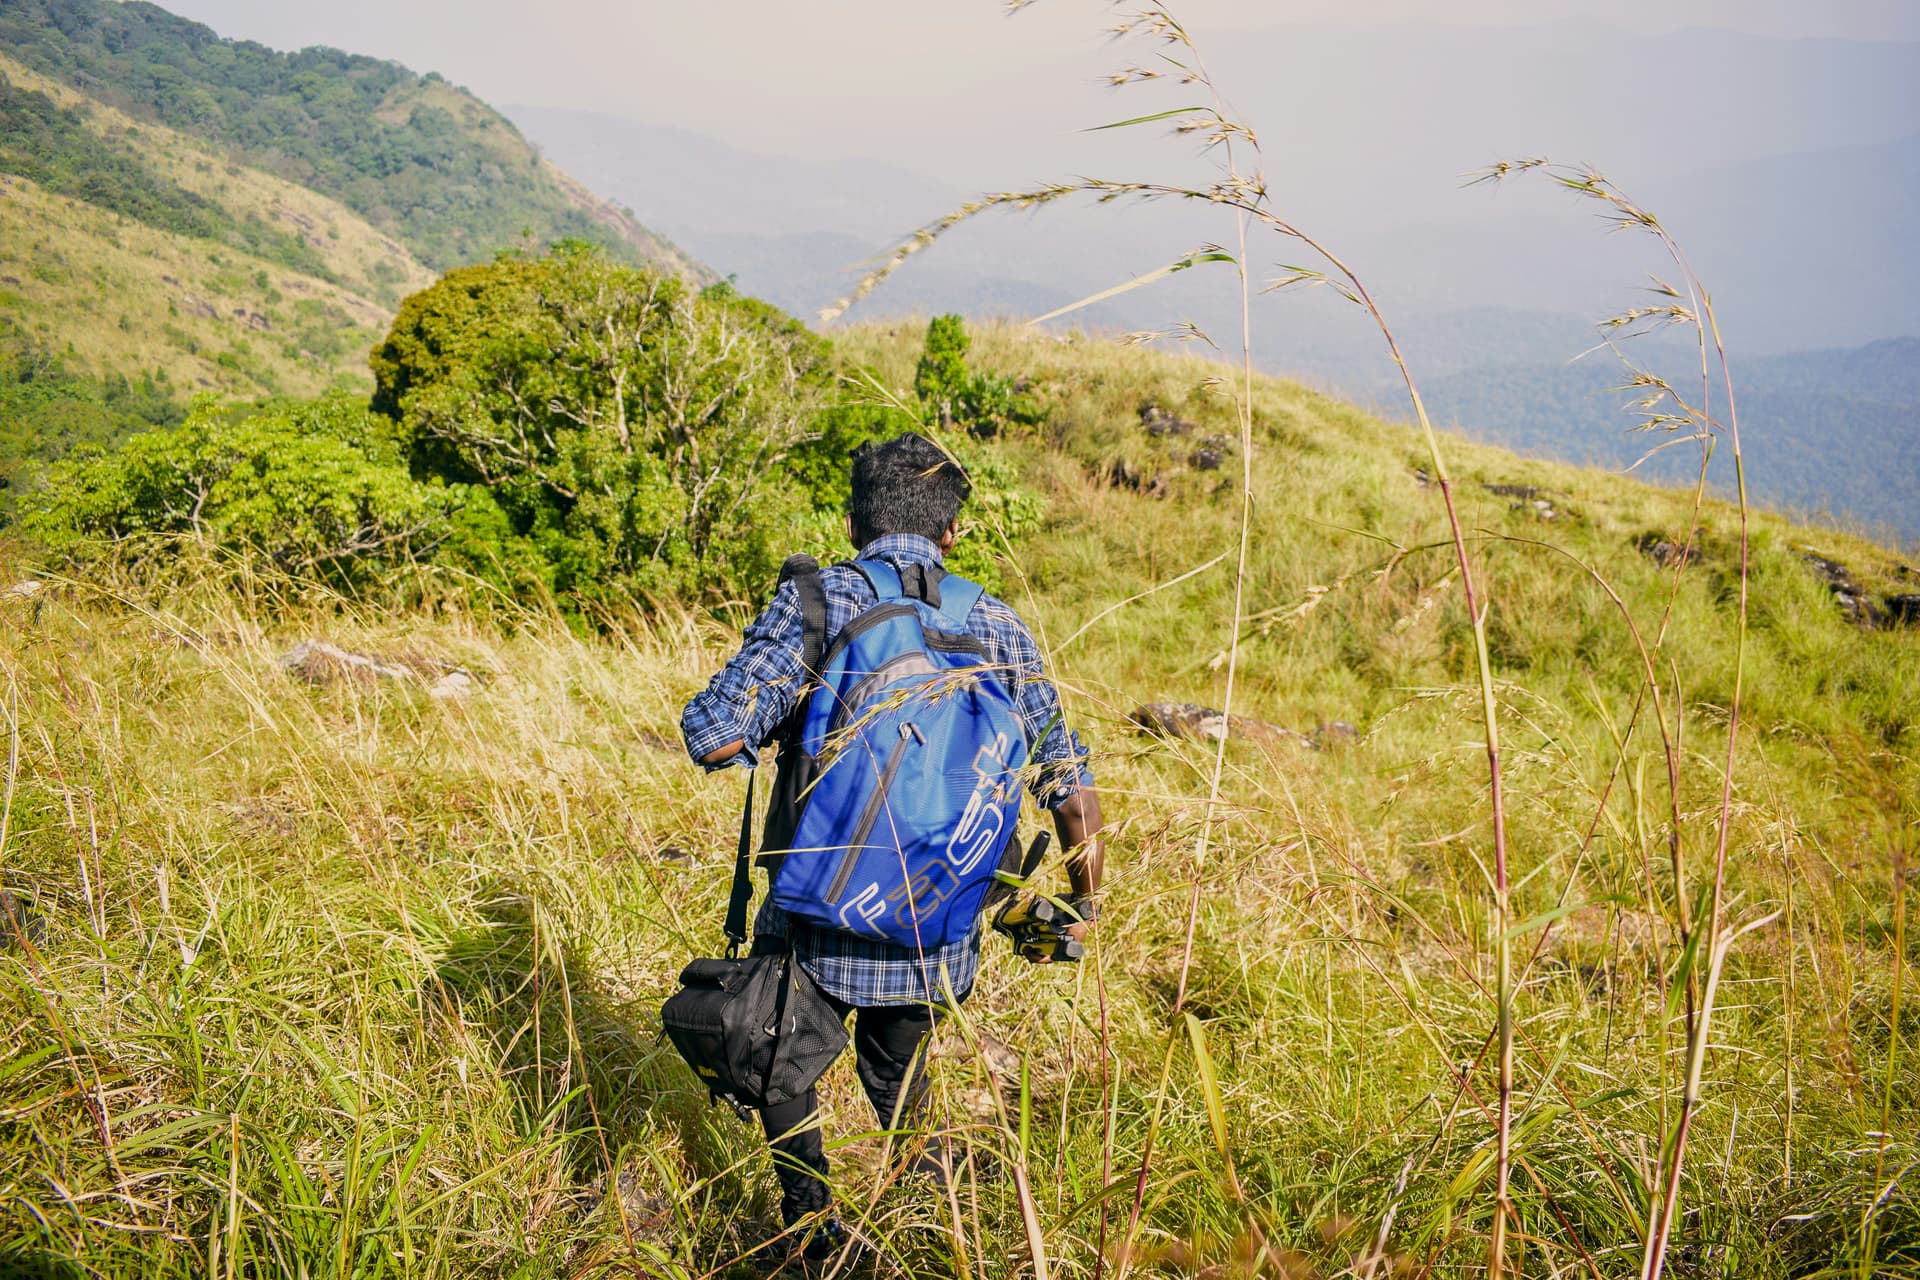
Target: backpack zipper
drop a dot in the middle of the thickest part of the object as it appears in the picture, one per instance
(909, 732)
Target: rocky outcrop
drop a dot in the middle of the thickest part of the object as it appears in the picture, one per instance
(1161, 422)
(1212, 454)
(1526, 497)
(1196, 723)
(318, 662)
(1207, 453)
(1847, 591)
(1668, 555)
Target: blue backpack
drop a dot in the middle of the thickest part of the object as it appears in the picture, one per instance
(899, 778)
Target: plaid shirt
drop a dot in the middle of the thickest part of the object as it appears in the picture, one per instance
(755, 691)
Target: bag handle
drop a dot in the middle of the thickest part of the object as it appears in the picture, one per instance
(736, 925)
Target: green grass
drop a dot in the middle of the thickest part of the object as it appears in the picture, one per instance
(347, 981)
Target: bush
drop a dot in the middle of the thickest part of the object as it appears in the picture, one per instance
(48, 410)
(318, 489)
(951, 395)
(630, 427)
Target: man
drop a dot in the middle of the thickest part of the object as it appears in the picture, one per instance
(904, 511)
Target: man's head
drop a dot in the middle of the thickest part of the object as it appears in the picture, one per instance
(905, 485)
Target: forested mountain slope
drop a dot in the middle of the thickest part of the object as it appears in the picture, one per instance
(419, 158)
(183, 214)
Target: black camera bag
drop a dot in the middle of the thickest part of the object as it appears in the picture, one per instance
(757, 1031)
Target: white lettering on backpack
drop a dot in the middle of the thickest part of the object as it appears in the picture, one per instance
(858, 916)
(978, 832)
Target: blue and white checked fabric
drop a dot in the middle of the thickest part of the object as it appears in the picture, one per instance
(756, 690)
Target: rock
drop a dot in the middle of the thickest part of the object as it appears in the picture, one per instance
(1657, 549)
(25, 589)
(1904, 610)
(673, 853)
(1159, 422)
(1421, 480)
(1860, 609)
(1847, 593)
(318, 662)
(455, 685)
(1835, 574)
(1207, 459)
(1332, 732)
(1203, 724)
(1527, 497)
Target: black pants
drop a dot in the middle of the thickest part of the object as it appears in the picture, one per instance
(885, 1040)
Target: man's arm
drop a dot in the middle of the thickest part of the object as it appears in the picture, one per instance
(720, 755)
(727, 721)
(1060, 779)
(1077, 822)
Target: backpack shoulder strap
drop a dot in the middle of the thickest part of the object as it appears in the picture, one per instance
(957, 598)
(804, 572)
(882, 577)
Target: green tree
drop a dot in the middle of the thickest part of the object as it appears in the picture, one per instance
(631, 427)
(940, 378)
(952, 395)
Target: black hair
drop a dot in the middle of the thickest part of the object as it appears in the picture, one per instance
(905, 485)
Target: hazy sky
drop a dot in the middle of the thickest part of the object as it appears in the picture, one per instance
(871, 76)
(1371, 110)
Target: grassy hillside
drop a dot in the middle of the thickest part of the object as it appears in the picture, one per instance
(252, 210)
(125, 298)
(348, 979)
(182, 272)
(184, 215)
(422, 160)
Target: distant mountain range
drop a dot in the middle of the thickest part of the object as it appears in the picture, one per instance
(1810, 254)
(1833, 435)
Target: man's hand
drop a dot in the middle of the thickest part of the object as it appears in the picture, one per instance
(1082, 906)
(1077, 821)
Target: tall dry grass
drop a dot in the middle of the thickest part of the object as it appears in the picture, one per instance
(343, 979)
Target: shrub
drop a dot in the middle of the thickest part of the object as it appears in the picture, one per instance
(630, 427)
(951, 395)
(317, 489)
